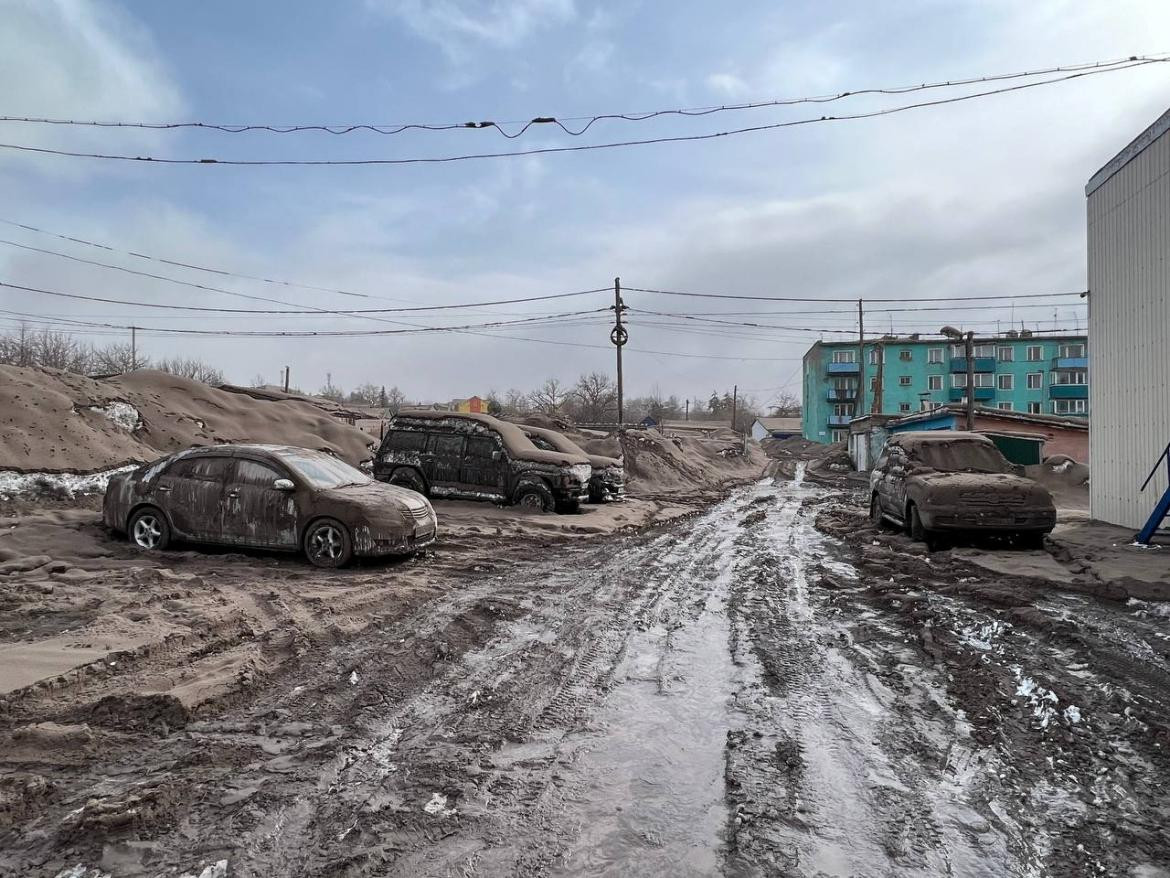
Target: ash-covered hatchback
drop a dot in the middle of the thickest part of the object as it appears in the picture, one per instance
(935, 483)
(268, 497)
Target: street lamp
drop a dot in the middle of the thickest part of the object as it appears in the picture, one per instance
(968, 340)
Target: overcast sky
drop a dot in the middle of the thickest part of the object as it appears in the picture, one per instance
(977, 198)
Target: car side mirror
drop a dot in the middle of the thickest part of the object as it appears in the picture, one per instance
(284, 485)
(1018, 469)
(497, 455)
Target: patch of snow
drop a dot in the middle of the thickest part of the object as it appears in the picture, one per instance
(1041, 700)
(982, 636)
(353, 678)
(122, 414)
(840, 567)
(1062, 467)
(1072, 713)
(1150, 608)
(82, 871)
(438, 805)
(217, 869)
(16, 486)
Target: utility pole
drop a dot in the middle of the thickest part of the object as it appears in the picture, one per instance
(286, 379)
(687, 416)
(133, 348)
(878, 392)
(618, 336)
(860, 406)
(969, 349)
(734, 403)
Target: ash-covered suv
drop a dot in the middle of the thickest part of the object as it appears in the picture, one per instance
(608, 481)
(478, 457)
(938, 482)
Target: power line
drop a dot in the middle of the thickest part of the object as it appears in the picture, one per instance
(686, 138)
(853, 300)
(559, 120)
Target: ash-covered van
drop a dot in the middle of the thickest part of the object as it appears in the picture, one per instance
(478, 457)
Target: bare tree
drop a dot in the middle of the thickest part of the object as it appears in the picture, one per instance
(395, 400)
(595, 396)
(117, 359)
(550, 397)
(330, 391)
(19, 348)
(516, 402)
(191, 368)
(785, 405)
(366, 394)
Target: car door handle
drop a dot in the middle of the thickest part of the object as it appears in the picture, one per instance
(164, 488)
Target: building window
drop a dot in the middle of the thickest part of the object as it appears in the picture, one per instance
(958, 350)
(1072, 350)
(1005, 382)
(1006, 354)
(1035, 380)
(903, 406)
(903, 380)
(959, 379)
(1033, 408)
(844, 356)
(1004, 406)
(839, 435)
(934, 355)
(985, 350)
(1070, 378)
(905, 355)
(873, 355)
(1035, 353)
(843, 409)
(1070, 406)
(982, 379)
(873, 385)
(934, 382)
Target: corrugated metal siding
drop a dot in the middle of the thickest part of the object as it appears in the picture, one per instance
(1129, 322)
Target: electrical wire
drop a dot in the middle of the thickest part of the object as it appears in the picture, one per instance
(853, 301)
(559, 121)
(684, 138)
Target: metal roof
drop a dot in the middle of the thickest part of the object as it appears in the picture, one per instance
(1135, 148)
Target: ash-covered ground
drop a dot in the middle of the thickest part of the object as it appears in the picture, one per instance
(762, 686)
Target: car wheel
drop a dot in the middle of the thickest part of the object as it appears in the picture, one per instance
(1030, 541)
(596, 493)
(535, 497)
(148, 529)
(875, 512)
(408, 478)
(568, 507)
(327, 544)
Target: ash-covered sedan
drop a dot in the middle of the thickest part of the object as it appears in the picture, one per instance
(268, 497)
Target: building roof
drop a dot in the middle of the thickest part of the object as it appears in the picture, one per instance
(957, 408)
(923, 437)
(1132, 150)
(773, 425)
(940, 340)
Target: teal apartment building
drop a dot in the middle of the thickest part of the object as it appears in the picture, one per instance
(1016, 371)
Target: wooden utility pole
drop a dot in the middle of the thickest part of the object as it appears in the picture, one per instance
(878, 391)
(133, 348)
(618, 336)
(969, 349)
(687, 416)
(860, 406)
(286, 379)
(734, 403)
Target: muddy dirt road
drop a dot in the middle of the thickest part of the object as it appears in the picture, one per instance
(736, 693)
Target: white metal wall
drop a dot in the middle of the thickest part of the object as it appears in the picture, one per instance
(1129, 329)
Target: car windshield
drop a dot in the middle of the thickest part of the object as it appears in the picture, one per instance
(323, 471)
(957, 456)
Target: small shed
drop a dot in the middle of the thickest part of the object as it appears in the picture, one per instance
(775, 428)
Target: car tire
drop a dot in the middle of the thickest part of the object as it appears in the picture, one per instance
(876, 516)
(535, 496)
(410, 479)
(1033, 542)
(327, 544)
(568, 507)
(148, 529)
(596, 493)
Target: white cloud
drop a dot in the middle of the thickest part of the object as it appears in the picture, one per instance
(77, 59)
(727, 84)
(459, 26)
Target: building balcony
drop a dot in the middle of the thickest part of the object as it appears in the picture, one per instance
(840, 420)
(1068, 391)
(982, 364)
(1070, 363)
(842, 368)
(841, 394)
(982, 394)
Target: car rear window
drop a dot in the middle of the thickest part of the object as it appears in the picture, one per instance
(403, 440)
(480, 446)
(447, 446)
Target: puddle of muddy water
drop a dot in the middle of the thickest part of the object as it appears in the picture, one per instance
(649, 797)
